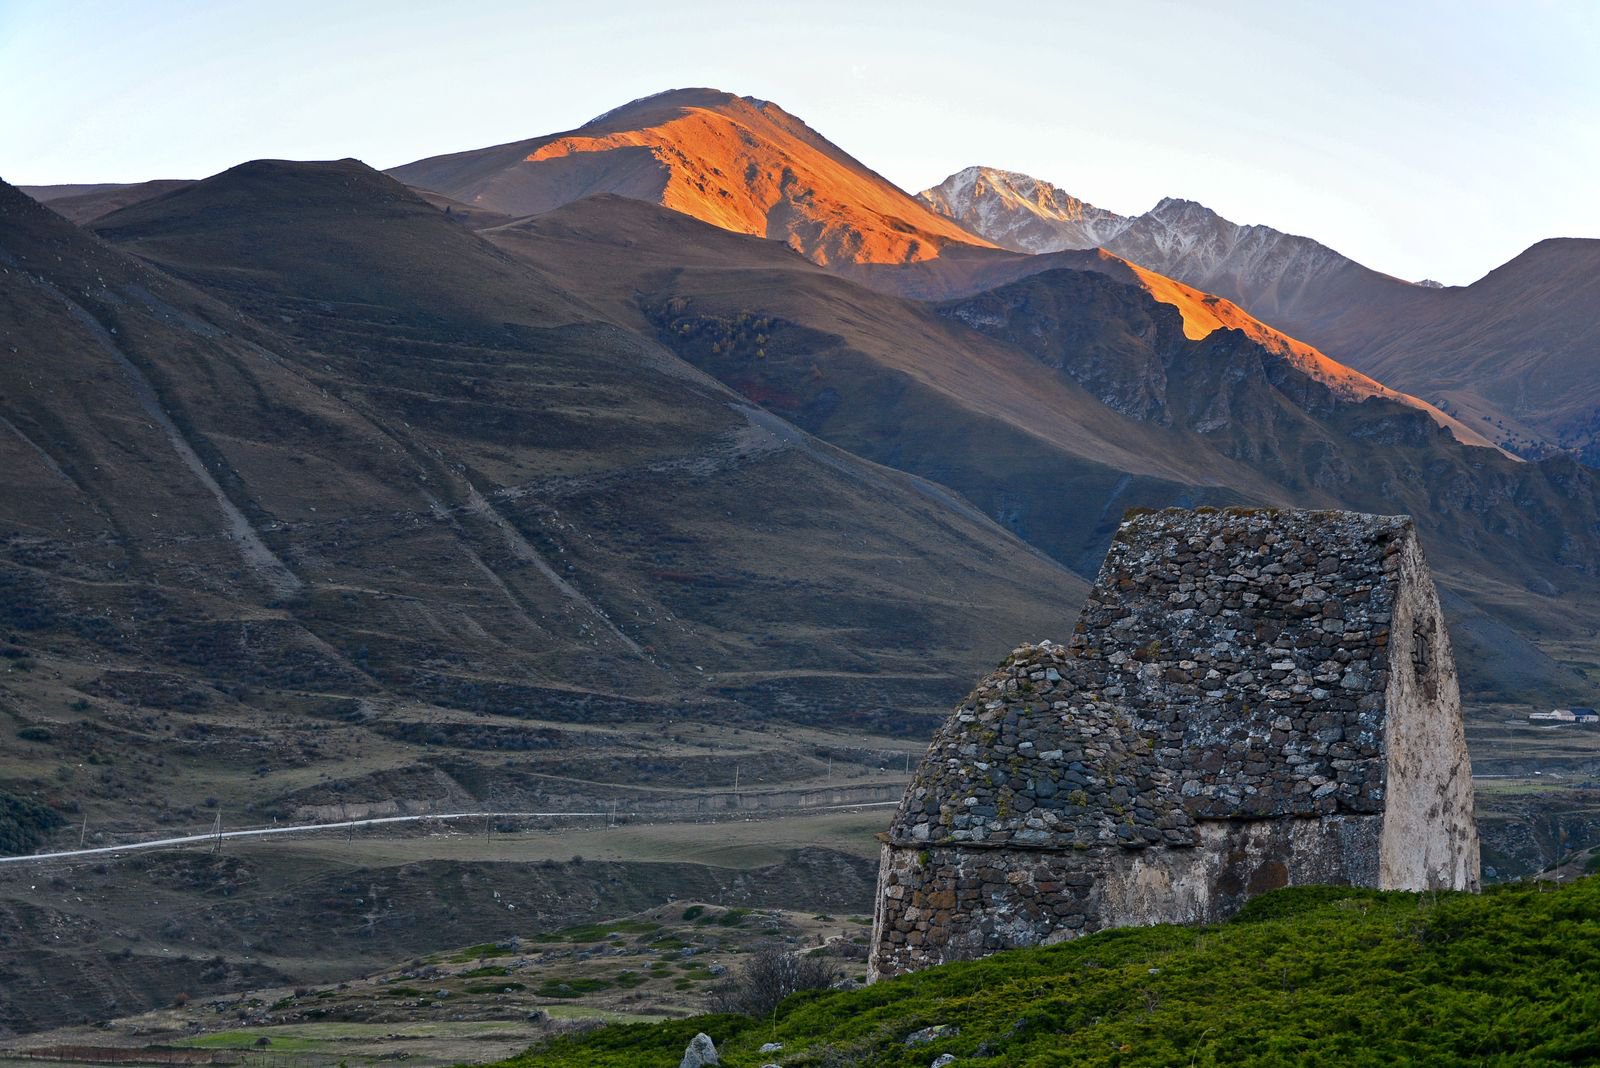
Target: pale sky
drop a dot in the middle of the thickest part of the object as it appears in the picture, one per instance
(1425, 139)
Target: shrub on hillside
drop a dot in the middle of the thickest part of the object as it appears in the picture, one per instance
(769, 977)
(24, 823)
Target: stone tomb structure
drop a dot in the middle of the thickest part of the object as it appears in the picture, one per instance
(1250, 699)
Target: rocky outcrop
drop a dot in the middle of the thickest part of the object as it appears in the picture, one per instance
(1250, 699)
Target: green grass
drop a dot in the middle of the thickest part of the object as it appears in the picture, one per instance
(484, 950)
(1310, 976)
(570, 988)
(668, 942)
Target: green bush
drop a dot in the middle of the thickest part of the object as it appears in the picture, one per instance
(571, 988)
(24, 824)
(492, 988)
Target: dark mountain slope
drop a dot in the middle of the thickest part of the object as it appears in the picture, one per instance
(1371, 455)
(370, 546)
(85, 203)
(1090, 395)
(397, 499)
(1513, 355)
(968, 271)
(881, 376)
(271, 230)
(1517, 353)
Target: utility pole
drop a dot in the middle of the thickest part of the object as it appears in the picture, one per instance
(217, 847)
(830, 769)
(486, 822)
(83, 835)
(736, 778)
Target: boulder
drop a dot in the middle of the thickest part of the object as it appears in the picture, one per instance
(932, 1034)
(701, 1052)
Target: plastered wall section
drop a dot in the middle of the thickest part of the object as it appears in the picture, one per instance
(1430, 837)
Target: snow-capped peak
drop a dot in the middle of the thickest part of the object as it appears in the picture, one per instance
(1021, 212)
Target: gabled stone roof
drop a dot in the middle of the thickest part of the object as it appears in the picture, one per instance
(1227, 665)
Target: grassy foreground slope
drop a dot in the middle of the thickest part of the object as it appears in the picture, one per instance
(1315, 975)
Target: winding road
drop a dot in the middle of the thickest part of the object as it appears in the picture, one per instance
(304, 828)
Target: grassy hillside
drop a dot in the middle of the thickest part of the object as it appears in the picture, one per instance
(1316, 975)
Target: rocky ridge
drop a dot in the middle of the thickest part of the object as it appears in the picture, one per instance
(1511, 355)
(1022, 213)
(1258, 266)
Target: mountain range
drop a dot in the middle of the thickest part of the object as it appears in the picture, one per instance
(1514, 355)
(995, 379)
(577, 467)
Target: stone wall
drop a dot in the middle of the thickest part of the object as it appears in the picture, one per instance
(956, 903)
(1227, 717)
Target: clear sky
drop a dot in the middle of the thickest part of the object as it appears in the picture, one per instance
(1426, 139)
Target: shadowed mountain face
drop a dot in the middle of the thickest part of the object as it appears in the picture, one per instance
(742, 164)
(964, 272)
(322, 506)
(1370, 453)
(1056, 401)
(338, 460)
(85, 203)
(1513, 355)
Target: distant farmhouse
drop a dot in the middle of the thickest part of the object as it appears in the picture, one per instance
(1566, 715)
(1250, 699)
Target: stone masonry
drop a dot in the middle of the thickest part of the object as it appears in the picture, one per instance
(1250, 699)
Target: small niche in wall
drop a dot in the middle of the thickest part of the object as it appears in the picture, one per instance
(1423, 661)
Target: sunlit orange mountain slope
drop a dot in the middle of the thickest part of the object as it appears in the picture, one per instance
(965, 271)
(748, 166)
(743, 164)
